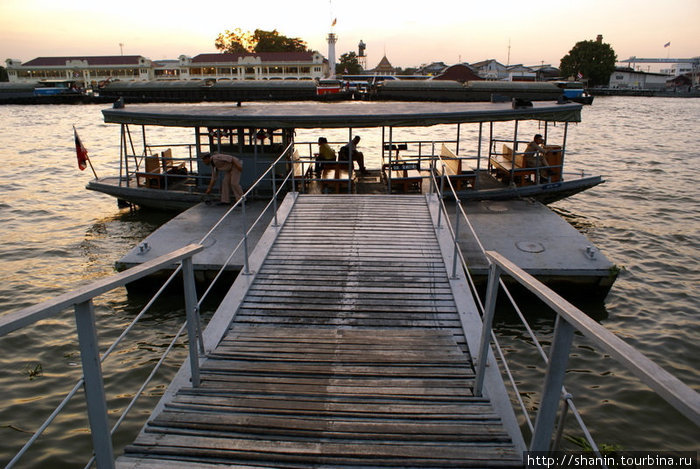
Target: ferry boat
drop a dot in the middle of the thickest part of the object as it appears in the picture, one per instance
(169, 175)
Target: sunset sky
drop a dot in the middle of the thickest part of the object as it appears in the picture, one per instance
(409, 33)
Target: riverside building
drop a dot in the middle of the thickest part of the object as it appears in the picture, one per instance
(215, 66)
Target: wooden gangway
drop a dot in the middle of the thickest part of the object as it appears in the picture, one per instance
(342, 348)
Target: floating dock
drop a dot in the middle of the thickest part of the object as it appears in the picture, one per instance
(538, 240)
(348, 345)
(192, 225)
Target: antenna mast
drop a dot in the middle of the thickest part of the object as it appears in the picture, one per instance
(508, 61)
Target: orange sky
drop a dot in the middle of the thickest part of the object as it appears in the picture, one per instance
(538, 31)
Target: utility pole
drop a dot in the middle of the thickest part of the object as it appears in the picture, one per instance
(508, 61)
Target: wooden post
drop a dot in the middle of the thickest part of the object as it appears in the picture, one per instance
(94, 385)
(554, 380)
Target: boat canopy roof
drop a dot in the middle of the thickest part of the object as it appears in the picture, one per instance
(344, 114)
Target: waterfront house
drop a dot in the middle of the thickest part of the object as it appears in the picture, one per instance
(491, 69)
(521, 73)
(627, 78)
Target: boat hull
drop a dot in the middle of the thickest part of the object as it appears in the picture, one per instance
(545, 193)
(181, 200)
(146, 197)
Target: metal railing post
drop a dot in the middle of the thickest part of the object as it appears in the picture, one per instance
(487, 321)
(246, 268)
(191, 314)
(455, 254)
(562, 421)
(442, 191)
(94, 385)
(274, 195)
(554, 380)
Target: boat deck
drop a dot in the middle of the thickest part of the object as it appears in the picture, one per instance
(344, 348)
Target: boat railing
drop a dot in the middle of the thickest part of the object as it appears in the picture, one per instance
(169, 178)
(82, 301)
(545, 434)
(190, 160)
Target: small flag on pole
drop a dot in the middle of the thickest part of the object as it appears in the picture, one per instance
(668, 44)
(579, 75)
(334, 21)
(80, 151)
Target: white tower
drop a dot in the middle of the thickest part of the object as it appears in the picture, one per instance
(332, 38)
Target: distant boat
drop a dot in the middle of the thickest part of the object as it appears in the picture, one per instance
(332, 89)
(574, 91)
(47, 92)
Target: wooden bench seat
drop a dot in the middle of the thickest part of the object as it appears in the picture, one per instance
(169, 166)
(513, 166)
(454, 169)
(151, 176)
(335, 176)
(160, 171)
(510, 166)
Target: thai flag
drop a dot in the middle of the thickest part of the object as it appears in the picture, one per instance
(668, 44)
(80, 151)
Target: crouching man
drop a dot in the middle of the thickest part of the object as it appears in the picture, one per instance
(232, 167)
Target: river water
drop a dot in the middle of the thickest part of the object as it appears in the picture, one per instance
(57, 236)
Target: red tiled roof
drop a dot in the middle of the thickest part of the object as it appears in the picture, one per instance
(96, 60)
(264, 56)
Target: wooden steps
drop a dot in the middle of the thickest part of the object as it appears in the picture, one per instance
(346, 352)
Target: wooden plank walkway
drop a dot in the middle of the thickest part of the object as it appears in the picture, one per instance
(346, 351)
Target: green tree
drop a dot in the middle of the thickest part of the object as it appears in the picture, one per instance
(258, 41)
(272, 41)
(594, 60)
(234, 41)
(348, 64)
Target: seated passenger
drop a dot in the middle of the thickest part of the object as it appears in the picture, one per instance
(325, 153)
(534, 155)
(351, 149)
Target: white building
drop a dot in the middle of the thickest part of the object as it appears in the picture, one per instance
(521, 73)
(627, 78)
(254, 66)
(490, 69)
(216, 66)
(86, 69)
(678, 69)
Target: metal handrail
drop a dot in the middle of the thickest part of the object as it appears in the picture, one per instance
(455, 234)
(569, 318)
(686, 400)
(82, 300)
